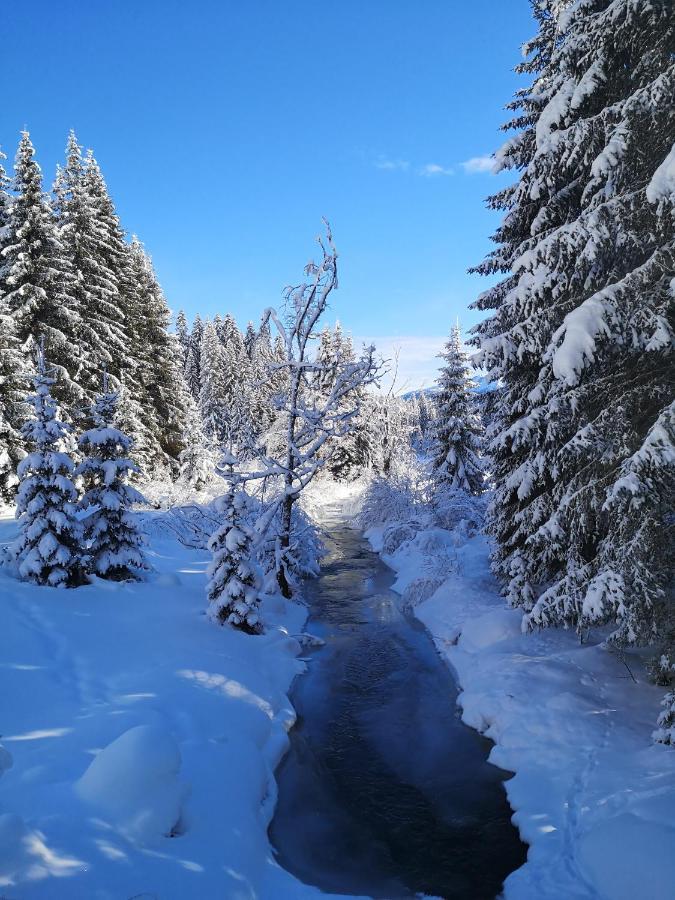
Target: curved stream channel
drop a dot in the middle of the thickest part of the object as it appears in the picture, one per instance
(384, 792)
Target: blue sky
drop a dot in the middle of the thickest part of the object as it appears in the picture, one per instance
(227, 129)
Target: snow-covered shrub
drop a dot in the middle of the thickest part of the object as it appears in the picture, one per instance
(305, 550)
(114, 540)
(191, 525)
(661, 669)
(398, 499)
(454, 508)
(665, 730)
(421, 589)
(397, 535)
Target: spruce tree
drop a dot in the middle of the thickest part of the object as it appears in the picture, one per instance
(36, 278)
(237, 382)
(13, 377)
(48, 550)
(12, 367)
(193, 360)
(133, 419)
(157, 369)
(93, 267)
(183, 336)
(198, 459)
(455, 452)
(261, 382)
(353, 452)
(250, 339)
(233, 588)
(213, 391)
(582, 330)
(114, 542)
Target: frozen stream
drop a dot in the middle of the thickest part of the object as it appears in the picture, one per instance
(384, 792)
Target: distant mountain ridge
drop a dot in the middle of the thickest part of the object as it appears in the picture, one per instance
(483, 385)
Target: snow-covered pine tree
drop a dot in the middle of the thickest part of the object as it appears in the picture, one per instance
(352, 453)
(456, 463)
(198, 459)
(582, 329)
(260, 384)
(262, 346)
(237, 381)
(12, 368)
(48, 549)
(5, 205)
(250, 339)
(278, 370)
(193, 364)
(94, 263)
(183, 335)
(36, 278)
(13, 375)
(132, 419)
(157, 369)
(233, 588)
(423, 421)
(136, 414)
(135, 318)
(114, 541)
(213, 391)
(326, 363)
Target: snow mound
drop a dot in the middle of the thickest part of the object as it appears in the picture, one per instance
(134, 784)
(396, 535)
(491, 628)
(420, 589)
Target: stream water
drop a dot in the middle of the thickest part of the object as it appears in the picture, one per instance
(384, 792)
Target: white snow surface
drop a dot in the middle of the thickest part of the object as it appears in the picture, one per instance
(594, 797)
(140, 739)
(662, 186)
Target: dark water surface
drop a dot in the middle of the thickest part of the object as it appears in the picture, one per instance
(384, 792)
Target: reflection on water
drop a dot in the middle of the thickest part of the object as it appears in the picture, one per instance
(384, 792)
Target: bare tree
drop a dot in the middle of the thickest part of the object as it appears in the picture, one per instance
(314, 420)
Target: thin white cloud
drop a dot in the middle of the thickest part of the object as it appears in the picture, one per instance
(479, 164)
(392, 165)
(432, 169)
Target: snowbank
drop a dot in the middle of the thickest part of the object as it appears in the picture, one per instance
(134, 784)
(593, 796)
(143, 739)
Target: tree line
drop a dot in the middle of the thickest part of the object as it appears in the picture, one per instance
(69, 275)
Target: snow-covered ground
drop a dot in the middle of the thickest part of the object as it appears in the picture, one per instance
(593, 796)
(141, 739)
